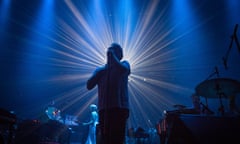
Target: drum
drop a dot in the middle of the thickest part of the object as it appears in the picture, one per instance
(70, 120)
(53, 113)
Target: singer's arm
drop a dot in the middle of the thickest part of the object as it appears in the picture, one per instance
(113, 60)
(93, 80)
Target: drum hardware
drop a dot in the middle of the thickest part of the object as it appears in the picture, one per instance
(233, 37)
(218, 88)
(181, 109)
(138, 135)
(205, 109)
(179, 106)
(71, 120)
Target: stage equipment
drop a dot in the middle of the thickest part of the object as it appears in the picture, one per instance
(233, 37)
(199, 129)
(214, 88)
(218, 88)
(71, 120)
(53, 113)
(179, 106)
(35, 132)
(7, 126)
(139, 135)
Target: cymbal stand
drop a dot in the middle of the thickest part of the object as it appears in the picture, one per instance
(221, 108)
(233, 37)
(220, 94)
(216, 72)
(205, 109)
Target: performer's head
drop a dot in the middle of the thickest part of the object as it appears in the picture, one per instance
(117, 49)
(93, 107)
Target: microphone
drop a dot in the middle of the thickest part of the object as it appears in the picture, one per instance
(225, 63)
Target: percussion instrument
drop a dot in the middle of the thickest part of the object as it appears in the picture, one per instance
(71, 120)
(213, 88)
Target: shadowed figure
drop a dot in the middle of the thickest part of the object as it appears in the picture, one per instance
(113, 100)
(92, 123)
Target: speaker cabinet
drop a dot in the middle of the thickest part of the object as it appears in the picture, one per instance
(198, 129)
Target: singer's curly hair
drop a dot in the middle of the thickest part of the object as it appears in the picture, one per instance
(118, 50)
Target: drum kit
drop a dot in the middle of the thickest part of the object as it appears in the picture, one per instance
(55, 114)
(53, 128)
(216, 88)
(219, 88)
(188, 119)
(200, 124)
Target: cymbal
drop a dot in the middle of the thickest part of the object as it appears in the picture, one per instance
(212, 88)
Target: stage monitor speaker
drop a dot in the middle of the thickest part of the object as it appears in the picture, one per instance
(197, 129)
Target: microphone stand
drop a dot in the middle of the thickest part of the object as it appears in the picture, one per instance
(220, 94)
(214, 73)
(236, 38)
(233, 37)
(107, 124)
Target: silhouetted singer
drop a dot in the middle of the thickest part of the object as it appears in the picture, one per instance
(113, 99)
